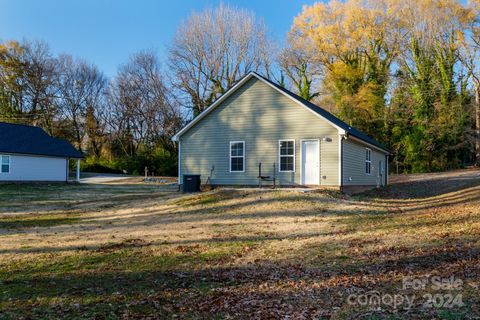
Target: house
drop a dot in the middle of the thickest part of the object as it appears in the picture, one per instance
(29, 154)
(297, 142)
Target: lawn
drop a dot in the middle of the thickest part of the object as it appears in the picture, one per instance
(110, 251)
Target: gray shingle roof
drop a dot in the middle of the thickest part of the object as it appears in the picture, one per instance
(23, 139)
(327, 115)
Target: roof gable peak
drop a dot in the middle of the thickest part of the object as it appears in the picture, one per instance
(341, 126)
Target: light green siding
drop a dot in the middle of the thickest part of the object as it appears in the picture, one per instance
(261, 116)
(354, 156)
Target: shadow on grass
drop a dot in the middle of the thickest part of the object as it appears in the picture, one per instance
(183, 242)
(135, 283)
(30, 222)
(429, 187)
(19, 198)
(247, 209)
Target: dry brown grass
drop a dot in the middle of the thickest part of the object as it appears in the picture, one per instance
(135, 251)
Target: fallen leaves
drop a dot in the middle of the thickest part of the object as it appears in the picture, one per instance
(127, 243)
(248, 255)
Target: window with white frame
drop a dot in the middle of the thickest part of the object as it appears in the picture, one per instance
(5, 164)
(237, 156)
(368, 161)
(286, 154)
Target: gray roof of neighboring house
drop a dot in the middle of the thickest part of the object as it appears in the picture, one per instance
(30, 140)
(327, 115)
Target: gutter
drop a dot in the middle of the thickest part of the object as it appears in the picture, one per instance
(341, 161)
(353, 137)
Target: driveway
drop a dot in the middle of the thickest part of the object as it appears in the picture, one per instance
(106, 178)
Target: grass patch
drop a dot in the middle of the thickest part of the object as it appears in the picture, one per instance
(211, 197)
(61, 197)
(231, 254)
(32, 221)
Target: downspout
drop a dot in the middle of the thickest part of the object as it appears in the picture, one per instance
(78, 170)
(387, 171)
(179, 164)
(340, 148)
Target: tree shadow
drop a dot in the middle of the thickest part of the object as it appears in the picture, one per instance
(260, 289)
(11, 224)
(37, 199)
(425, 188)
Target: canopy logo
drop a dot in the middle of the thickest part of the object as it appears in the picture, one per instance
(443, 296)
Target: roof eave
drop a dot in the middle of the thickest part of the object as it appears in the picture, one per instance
(251, 74)
(42, 155)
(368, 143)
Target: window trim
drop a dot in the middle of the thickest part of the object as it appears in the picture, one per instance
(280, 156)
(230, 156)
(9, 163)
(368, 151)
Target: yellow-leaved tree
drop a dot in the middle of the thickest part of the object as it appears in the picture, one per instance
(393, 68)
(11, 75)
(356, 42)
(471, 59)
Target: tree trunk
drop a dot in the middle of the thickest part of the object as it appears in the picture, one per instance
(477, 123)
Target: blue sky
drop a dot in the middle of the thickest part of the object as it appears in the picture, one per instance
(106, 32)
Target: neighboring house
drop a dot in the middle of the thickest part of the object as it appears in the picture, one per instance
(28, 153)
(258, 121)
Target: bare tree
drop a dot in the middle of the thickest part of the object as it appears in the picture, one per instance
(475, 65)
(470, 57)
(40, 83)
(299, 64)
(27, 81)
(215, 48)
(80, 86)
(12, 75)
(141, 111)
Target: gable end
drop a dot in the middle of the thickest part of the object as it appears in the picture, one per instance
(235, 88)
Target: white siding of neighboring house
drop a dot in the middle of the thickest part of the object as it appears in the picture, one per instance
(35, 168)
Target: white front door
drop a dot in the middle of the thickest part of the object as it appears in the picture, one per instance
(310, 162)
